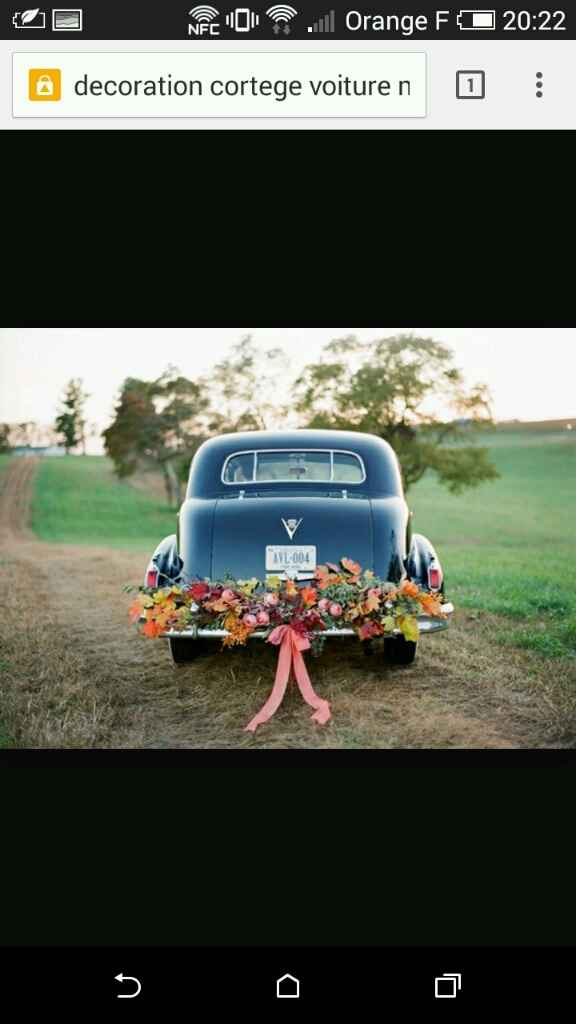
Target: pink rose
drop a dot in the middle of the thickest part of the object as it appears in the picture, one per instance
(262, 618)
(335, 610)
(271, 599)
(323, 604)
(249, 619)
(228, 595)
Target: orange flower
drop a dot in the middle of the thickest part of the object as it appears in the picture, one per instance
(351, 566)
(373, 600)
(135, 610)
(430, 604)
(308, 595)
(151, 629)
(290, 588)
(409, 589)
(238, 632)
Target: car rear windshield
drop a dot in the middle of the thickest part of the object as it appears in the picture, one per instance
(286, 466)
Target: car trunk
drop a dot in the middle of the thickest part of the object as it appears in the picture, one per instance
(338, 527)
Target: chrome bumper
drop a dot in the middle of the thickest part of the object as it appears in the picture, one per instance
(425, 625)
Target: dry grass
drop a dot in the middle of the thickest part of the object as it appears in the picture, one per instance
(75, 674)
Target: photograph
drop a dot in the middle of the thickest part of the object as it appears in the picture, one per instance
(297, 538)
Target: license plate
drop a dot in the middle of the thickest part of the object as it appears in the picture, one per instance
(280, 557)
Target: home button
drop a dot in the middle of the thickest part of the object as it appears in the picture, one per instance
(287, 987)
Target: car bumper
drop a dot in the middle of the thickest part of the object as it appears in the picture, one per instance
(426, 624)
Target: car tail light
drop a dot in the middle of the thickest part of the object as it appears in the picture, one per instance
(434, 577)
(152, 578)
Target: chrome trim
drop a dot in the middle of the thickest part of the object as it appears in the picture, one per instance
(255, 451)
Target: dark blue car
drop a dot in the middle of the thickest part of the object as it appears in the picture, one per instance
(280, 503)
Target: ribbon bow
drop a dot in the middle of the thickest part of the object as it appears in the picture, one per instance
(291, 644)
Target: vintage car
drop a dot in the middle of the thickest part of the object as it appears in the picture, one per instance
(280, 503)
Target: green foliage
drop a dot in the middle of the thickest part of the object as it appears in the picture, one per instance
(509, 549)
(390, 388)
(70, 423)
(163, 422)
(4, 437)
(79, 501)
(243, 389)
(158, 423)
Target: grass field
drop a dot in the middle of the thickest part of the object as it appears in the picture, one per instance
(78, 500)
(507, 547)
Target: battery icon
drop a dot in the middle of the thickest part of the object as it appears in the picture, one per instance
(476, 21)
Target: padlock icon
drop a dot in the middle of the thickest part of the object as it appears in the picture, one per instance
(44, 86)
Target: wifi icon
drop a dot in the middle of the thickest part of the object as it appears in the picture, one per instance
(281, 15)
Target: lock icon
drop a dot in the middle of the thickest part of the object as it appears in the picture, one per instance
(44, 84)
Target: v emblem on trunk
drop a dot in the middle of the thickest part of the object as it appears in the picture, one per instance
(291, 525)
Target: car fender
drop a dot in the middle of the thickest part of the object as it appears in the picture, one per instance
(421, 557)
(167, 561)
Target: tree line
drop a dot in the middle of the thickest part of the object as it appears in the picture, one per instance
(68, 431)
(392, 387)
(405, 389)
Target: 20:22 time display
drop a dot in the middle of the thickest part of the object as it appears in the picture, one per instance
(535, 21)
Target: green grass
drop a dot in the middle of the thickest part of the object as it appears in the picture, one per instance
(509, 547)
(78, 500)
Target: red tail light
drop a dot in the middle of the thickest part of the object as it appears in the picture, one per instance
(434, 578)
(152, 578)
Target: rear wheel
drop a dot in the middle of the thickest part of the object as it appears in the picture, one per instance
(399, 651)
(185, 651)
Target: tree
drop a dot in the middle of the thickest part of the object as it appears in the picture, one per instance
(244, 387)
(70, 423)
(28, 434)
(158, 424)
(406, 390)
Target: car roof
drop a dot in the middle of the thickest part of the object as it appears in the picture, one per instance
(382, 473)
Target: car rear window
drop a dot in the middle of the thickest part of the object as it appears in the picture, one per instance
(292, 466)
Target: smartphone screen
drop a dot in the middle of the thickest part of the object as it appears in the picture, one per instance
(287, 668)
(330, 66)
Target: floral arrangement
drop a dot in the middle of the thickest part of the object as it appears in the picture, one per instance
(294, 617)
(339, 595)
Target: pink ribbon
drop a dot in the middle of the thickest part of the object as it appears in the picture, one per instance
(292, 644)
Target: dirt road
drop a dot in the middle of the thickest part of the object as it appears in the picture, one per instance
(75, 674)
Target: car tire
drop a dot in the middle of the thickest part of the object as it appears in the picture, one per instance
(399, 651)
(185, 651)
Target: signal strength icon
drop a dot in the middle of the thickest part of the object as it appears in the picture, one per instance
(281, 15)
(327, 24)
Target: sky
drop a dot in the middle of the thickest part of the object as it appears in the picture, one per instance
(530, 371)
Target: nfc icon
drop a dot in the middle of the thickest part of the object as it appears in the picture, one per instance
(203, 21)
